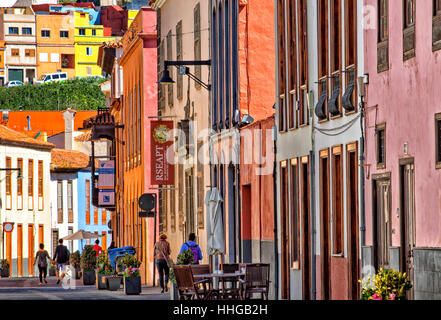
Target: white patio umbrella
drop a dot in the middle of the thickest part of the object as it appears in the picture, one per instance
(215, 223)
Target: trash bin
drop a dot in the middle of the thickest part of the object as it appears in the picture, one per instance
(114, 254)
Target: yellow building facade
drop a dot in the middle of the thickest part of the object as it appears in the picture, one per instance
(55, 44)
(88, 39)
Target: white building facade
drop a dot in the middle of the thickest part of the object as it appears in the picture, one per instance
(25, 202)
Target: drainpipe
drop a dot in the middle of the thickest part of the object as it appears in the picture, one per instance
(312, 173)
(362, 182)
(276, 249)
(29, 122)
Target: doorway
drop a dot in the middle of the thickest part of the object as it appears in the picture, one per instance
(407, 205)
(31, 249)
(325, 225)
(381, 220)
(353, 222)
(20, 250)
(306, 225)
(285, 235)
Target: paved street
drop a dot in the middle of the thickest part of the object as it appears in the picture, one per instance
(28, 289)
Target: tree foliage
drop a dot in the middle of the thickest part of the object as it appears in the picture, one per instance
(78, 94)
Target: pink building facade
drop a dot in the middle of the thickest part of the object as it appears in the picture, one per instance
(403, 177)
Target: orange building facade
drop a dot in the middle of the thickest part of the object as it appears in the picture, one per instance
(55, 44)
(2, 62)
(134, 112)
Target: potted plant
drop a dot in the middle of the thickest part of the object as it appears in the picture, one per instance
(75, 262)
(132, 278)
(185, 258)
(113, 282)
(387, 285)
(4, 264)
(52, 270)
(88, 263)
(103, 269)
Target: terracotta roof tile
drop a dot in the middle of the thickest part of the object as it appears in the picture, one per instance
(84, 137)
(68, 159)
(9, 136)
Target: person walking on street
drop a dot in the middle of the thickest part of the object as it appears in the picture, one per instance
(163, 262)
(194, 247)
(61, 256)
(97, 248)
(112, 246)
(41, 259)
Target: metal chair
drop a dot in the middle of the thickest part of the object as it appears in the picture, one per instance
(256, 280)
(187, 287)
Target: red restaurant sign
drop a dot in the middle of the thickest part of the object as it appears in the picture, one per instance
(163, 172)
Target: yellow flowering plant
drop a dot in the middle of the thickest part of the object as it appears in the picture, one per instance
(387, 285)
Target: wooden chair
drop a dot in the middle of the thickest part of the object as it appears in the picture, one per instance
(230, 285)
(200, 268)
(256, 280)
(187, 287)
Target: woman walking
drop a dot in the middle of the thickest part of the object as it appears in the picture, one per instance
(42, 257)
(163, 262)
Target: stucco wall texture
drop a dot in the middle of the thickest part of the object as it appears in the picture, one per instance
(406, 98)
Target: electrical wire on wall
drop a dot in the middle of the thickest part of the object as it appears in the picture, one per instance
(344, 128)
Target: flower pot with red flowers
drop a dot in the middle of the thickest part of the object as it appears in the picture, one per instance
(132, 278)
(75, 262)
(88, 265)
(103, 269)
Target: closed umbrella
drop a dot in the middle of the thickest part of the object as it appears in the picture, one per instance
(215, 223)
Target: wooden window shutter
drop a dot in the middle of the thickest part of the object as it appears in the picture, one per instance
(281, 64)
(8, 177)
(161, 89)
(200, 192)
(179, 82)
(40, 178)
(30, 178)
(383, 36)
(20, 181)
(181, 195)
(87, 201)
(70, 215)
(170, 87)
(95, 215)
(197, 42)
(409, 29)
(60, 201)
(103, 216)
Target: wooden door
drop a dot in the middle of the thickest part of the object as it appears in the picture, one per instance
(306, 225)
(382, 228)
(408, 220)
(285, 236)
(325, 227)
(41, 234)
(19, 250)
(353, 223)
(30, 250)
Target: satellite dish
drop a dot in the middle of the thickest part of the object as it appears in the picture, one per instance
(147, 201)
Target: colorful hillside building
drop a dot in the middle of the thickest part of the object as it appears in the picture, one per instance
(55, 44)
(88, 39)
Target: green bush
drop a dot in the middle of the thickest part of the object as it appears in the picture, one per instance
(131, 265)
(78, 94)
(387, 285)
(88, 258)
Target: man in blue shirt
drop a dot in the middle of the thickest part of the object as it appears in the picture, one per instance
(194, 247)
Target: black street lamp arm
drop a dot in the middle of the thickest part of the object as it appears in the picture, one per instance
(13, 169)
(167, 63)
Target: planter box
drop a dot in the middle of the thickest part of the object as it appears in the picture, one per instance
(132, 285)
(101, 281)
(89, 278)
(113, 283)
(52, 272)
(5, 273)
(174, 291)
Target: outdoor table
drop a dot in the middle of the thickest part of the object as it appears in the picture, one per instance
(221, 277)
